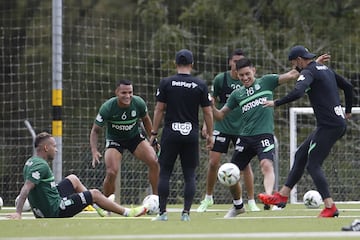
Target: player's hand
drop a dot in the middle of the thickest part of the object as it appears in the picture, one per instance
(204, 134)
(14, 216)
(348, 116)
(155, 144)
(268, 104)
(323, 58)
(209, 142)
(95, 158)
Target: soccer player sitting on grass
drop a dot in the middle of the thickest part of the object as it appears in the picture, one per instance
(66, 199)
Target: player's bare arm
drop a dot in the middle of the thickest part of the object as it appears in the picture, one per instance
(28, 185)
(220, 114)
(208, 118)
(147, 124)
(288, 76)
(94, 135)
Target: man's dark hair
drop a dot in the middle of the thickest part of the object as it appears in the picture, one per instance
(41, 137)
(236, 52)
(244, 62)
(123, 82)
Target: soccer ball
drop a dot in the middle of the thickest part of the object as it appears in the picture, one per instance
(228, 174)
(26, 206)
(312, 199)
(151, 202)
(1, 203)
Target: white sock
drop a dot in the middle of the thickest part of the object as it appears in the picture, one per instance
(251, 201)
(126, 212)
(238, 202)
(208, 197)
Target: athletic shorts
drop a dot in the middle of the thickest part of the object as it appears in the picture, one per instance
(247, 147)
(72, 203)
(222, 141)
(129, 144)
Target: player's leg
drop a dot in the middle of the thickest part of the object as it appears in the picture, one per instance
(145, 152)
(267, 169)
(112, 164)
(221, 145)
(211, 178)
(248, 177)
(167, 158)
(112, 206)
(321, 145)
(238, 205)
(280, 198)
(189, 156)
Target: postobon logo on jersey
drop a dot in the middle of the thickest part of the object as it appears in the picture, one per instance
(183, 128)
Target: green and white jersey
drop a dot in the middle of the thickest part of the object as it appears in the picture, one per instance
(221, 91)
(121, 122)
(248, 102)
(44, 198)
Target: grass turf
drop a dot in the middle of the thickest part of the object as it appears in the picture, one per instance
(295, 220)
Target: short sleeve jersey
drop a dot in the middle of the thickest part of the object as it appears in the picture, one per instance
(223, 90)
(182, 94)
(44, 198)
(121, 122)
(254, 118)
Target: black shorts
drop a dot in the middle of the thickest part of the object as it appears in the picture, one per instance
(72, 203)
(129, 144)
(222, 141)
(247, 147)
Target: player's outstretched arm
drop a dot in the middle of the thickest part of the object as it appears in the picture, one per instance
(94, 135)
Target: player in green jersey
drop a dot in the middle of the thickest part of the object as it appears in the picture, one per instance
(68, 198)
(120, 115)
(223, 84)
(256, 132)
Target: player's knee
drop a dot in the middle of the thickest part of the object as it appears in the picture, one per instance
(95, 193)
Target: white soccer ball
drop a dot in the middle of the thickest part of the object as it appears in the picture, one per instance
(228, 174)
(26, 206)
(1, 203)
(151, 202)
(312, 199)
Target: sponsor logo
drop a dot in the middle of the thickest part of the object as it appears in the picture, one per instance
(220, 139)
(301, 78)
(183, 128)
(36, 175)
(183, 84)
(339, 111)
(253, 104)
(99, 118)
(123, 127)
(323, 67)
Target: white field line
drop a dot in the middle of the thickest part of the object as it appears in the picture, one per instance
(270, 235)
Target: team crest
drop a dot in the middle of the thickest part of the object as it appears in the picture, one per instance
(133, 113)
(257, 86)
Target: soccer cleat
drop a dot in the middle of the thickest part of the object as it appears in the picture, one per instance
(252, 207)
(160, 217)
(275, 199)
(355, 226)
(233, 212)
(329, 212)
(185, 217)
(205, 204)
(137, 211)
(100, 211)
(267, 207)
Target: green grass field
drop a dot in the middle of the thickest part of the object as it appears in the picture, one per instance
(293, 222)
